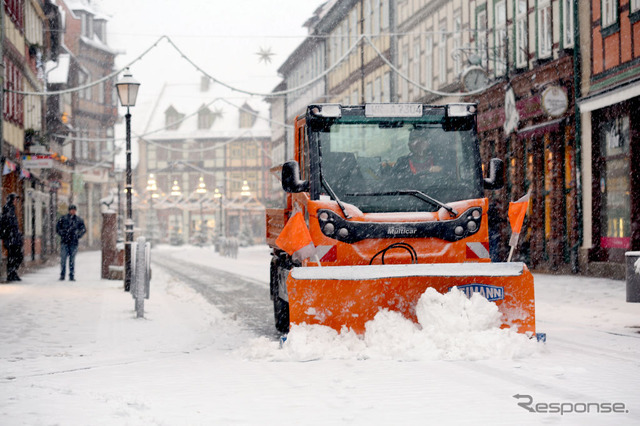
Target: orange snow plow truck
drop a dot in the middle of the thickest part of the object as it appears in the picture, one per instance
(382, 202)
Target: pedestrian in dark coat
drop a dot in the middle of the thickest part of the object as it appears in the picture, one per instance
(70, 228)
(11, 237)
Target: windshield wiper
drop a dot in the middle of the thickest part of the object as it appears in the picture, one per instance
(415, 193)
(333, 195)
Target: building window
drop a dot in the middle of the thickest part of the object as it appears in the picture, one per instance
(247, 117)
(345, 38)
(172, 118)
(481, 40)
(386, 87)
(151, 157)
(377, 90)
(205, 118)
(87, 25)
(457, 44)
(521, 34)
(567, 21)
(384, 6)
(614, 184)
(500, 34)
(609, 13)
(101, 93)
(405, 70)
(368, 92)
(442, 55)
(634, 9)
(428, 61)
(15, 12)
(353, 16)
(367, 17)
(415, 66)
(545, 29)
(338, 44)
(376, 17)
(12, 102)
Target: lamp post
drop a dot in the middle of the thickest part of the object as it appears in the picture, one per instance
(217, 194)
(201, 190)
(128, 92)
(176, 193)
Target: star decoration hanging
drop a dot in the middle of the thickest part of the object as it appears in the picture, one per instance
(264, 55)
(218, 113)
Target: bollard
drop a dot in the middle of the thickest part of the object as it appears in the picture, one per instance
(633, 276)
(141, 274)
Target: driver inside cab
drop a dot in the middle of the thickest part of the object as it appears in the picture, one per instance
(422, 156)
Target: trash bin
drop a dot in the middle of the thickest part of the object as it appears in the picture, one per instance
(633, 276)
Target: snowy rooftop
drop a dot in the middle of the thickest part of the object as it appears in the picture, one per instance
(187, 99)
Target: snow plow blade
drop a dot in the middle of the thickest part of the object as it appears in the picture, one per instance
(337, 296)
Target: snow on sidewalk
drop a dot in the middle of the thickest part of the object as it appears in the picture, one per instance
(52, 330)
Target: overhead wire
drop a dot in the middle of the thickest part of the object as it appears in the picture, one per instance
(306, 84)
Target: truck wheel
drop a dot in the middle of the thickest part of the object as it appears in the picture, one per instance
(280, 306)
(281, 314)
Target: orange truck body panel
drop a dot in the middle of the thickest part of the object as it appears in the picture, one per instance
(334, 302)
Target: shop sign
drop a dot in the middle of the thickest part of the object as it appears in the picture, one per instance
(555, 101)
(511, 116)
(44, 161)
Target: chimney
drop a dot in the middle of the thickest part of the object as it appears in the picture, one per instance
(204, 83)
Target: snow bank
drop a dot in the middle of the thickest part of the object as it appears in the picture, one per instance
(450, 327)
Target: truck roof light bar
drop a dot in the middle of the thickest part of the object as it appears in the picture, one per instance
(393, 110)
(461, 110)
(326, 110)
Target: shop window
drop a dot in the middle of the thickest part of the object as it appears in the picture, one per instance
(615, 210)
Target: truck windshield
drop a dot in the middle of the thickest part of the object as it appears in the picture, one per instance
(376, 166)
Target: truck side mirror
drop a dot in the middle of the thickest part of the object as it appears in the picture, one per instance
(496, 174)
(291, 181)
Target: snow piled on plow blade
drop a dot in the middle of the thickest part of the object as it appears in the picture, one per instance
(450, 326)
(350, 296)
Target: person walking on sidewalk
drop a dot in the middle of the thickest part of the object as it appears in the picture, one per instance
(11, 237)
(70, 228)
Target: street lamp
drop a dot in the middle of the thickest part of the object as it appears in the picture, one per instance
(175, 189)
(218, 195)
(202, 189)
(174, 237)
(245, 189)
(128, 92)
(152, 186)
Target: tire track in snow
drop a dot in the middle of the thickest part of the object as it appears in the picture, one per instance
(240, 298)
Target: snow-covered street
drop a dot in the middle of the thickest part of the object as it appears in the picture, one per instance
(73, 353)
